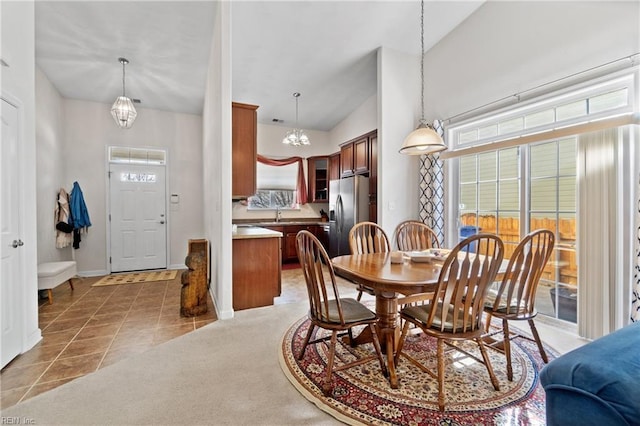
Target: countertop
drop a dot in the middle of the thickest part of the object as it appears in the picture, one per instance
(281, 223)
(245, 232)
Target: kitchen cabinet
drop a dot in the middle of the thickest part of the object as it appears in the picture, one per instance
(334, 166)
(318, 173)
(244, 127)
(290, 232)
(257, 268)
(373, 177)
(355, 155)
(346, 160)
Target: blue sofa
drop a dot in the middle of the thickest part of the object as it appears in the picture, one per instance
(596, 384)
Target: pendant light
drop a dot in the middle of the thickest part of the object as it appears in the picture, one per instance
(296, 137)
(122, 110)
(424, 139)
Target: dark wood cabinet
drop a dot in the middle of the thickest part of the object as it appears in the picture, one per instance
(334, 166)
(256, 272)
(373, 177)
(318, 172)
(244, 127)
(361, 156)
(289, 233)
(346, 160)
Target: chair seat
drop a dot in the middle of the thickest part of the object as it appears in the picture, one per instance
(420, 314)
(514, 309)
(352, 310)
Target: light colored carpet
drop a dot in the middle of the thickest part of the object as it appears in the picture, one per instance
(226, 373)
(136, 277)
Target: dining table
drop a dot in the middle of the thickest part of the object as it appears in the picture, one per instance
(389, 280)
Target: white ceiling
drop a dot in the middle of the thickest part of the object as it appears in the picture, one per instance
(323, 49)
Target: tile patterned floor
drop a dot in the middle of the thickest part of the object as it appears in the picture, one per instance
(93, 327)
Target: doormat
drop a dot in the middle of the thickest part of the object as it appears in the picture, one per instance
(136, 277)
(362, 395)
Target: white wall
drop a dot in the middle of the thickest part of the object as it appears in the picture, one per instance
(18, 83)
(50, 166)
(89, 129)
(216, 158)
(361, 121)
(398, 114)
(507, 47)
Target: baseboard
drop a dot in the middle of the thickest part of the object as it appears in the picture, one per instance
(88, 274)
(32, 340)
(177, 266)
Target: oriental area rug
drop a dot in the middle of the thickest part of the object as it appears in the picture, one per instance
(362, 395)
(136, 277)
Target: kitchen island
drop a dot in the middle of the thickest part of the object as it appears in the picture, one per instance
(256, 267)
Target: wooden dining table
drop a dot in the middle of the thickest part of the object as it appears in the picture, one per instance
(388, 280)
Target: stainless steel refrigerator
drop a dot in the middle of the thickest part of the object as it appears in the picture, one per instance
(348, 205)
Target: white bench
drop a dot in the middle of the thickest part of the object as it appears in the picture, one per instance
(52, 274)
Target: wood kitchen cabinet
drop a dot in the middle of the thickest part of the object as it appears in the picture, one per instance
(289, 234)
(318, 172)
(355, 155)
(244, 127)
(334, 166)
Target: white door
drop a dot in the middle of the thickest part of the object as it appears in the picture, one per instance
(11, 251)
(138, 219)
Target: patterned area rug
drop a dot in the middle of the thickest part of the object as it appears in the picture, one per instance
(361, 395)
(136, 277)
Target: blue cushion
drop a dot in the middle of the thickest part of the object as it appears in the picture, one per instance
(601, 380)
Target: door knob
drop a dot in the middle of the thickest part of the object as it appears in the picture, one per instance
(162, 222)
(20, 243)
(17, 243)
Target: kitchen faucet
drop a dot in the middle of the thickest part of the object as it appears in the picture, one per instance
(278, 214)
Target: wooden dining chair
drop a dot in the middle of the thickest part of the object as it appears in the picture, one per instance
(364, 238)
(327, 310)
(515, 297)
(413, 235)
(455, 310)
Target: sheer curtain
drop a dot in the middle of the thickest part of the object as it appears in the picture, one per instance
(605, 221)
(635, 292)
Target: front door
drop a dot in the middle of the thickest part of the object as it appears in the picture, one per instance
(138, 217)
(12, 278)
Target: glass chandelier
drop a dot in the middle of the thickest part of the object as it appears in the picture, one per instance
(123, 111)
(423, 140)
(296, 137)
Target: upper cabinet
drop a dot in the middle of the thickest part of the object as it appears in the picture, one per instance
(318, 171)
(355, 155)
(244, 149)
(334, 166)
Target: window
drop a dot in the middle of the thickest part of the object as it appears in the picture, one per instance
(276, 188)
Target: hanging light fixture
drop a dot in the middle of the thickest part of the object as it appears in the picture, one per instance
(122, 110)
(424, 139)
(296, 137)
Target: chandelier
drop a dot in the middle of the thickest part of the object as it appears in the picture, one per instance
(122, 110)
(296, 137)
(424, 139)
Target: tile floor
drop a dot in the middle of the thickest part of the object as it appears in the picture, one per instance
(93, 327)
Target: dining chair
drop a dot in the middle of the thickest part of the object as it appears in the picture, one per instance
(514, 299)
(414, 235)
(454, 312)
(365, 238)
(327, 310)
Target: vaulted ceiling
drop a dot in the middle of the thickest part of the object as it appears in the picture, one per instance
(323, 49)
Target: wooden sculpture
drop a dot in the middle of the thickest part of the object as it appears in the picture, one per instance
(193, 296)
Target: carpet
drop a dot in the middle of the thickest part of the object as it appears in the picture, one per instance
(361, 395)
(136, 277)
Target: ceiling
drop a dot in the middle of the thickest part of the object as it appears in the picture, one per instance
(323, 49)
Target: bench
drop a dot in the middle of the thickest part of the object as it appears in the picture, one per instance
(52, 274)
(596, 384)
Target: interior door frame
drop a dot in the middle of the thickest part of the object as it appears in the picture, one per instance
(166, 201)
